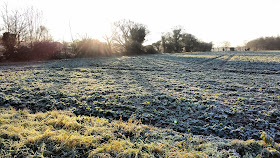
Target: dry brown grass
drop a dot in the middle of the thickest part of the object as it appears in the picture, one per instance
(61, 133)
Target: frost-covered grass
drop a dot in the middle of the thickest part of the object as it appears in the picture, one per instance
(232, 95)
(62, 134)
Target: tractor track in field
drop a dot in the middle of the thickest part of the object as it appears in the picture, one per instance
(267, 72)
(130, 69)
(211, 59)
(205, 94)
(251, 72)
(144, 69)
(228, 59)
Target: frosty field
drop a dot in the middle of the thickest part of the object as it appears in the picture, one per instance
(231, 95)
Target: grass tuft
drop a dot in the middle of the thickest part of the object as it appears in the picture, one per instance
(62, 134)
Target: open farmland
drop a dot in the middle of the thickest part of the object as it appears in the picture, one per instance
(231, 95)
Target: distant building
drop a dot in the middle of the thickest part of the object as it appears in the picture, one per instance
(223, 49)
(231, 49)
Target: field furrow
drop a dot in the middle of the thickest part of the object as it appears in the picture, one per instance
(225, 94)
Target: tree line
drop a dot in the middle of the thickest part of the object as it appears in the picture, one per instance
(264, 43)
(179, 41)
(26, 38)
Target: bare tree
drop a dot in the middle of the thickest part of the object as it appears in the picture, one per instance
(163, 43)
(226, 45)
(244, 46)
(34, 28)
(263, 43)
(109, 41)
(157, 45)
(121, 31)
(177, 35)
(128, 36)
(14, 22)
(26, 24)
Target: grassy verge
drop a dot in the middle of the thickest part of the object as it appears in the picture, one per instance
(61, 133)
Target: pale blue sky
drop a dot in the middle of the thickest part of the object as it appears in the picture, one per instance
(209, 20)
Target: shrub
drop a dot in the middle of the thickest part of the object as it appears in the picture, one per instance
(9, 42)
(88, 47)
(150, 50)
(45, 50)
(23, 53)
(134, 48)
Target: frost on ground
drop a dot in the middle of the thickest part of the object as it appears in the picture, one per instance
(225, 94)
